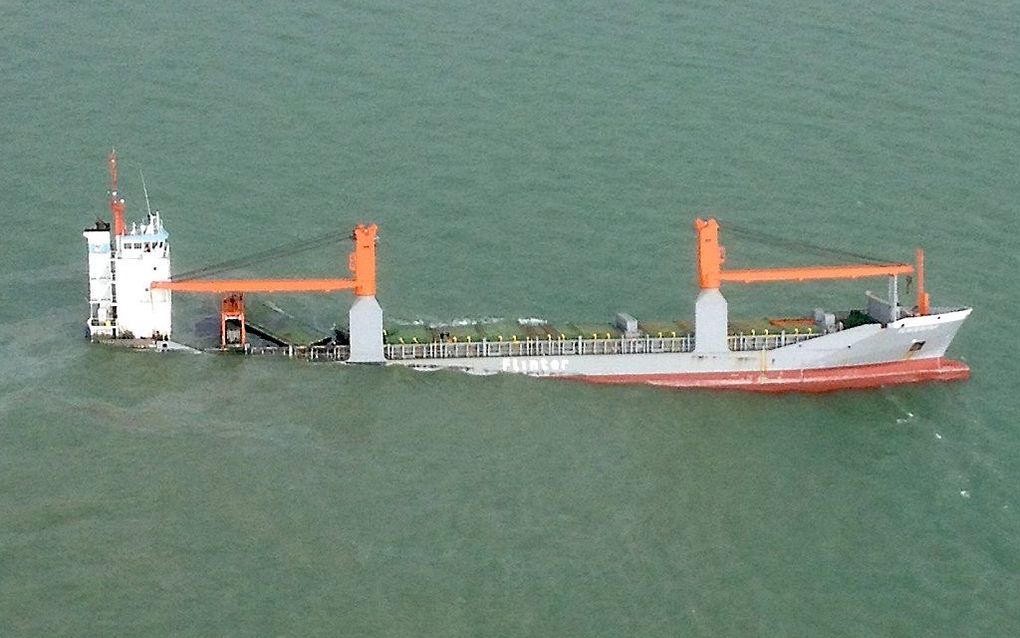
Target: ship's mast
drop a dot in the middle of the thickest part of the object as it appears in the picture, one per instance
(116, 201)
(923, 299)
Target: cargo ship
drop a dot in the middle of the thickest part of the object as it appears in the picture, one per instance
(881, 344)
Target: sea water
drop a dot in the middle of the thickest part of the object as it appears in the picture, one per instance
(523, 159)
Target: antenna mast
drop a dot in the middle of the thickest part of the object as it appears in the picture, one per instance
(145, 190)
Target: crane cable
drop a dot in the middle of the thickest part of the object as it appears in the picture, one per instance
(303, 245)
(285, 250)
(798, 245)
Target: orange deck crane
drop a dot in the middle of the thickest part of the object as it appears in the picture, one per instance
(712, 255)
(361, 263)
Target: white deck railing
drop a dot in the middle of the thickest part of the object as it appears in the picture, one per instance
(770, 341)
(326, 353)
(537, 347)
(580, 346)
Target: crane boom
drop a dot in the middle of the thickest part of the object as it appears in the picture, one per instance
(851, 271)
(361, 263)
(711, 274)
(711, 257)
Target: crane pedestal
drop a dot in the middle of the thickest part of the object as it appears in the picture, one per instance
(366, 326)
(232, 333)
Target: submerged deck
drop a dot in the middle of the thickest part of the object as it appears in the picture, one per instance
(537, 347)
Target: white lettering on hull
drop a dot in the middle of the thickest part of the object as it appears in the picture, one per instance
(537, 366)
(910, 329)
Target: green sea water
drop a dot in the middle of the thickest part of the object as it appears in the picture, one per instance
(522, 159)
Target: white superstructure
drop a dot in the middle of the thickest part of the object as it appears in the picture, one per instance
(123, 263)
(142, 256)
(121, 270)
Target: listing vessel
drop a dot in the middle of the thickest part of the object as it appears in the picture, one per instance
(883, 343)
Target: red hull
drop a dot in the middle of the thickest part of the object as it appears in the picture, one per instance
(820, 380)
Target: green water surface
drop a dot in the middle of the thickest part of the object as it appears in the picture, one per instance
(522, 159)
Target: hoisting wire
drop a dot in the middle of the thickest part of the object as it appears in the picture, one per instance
(285, 250)
(798, 245)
